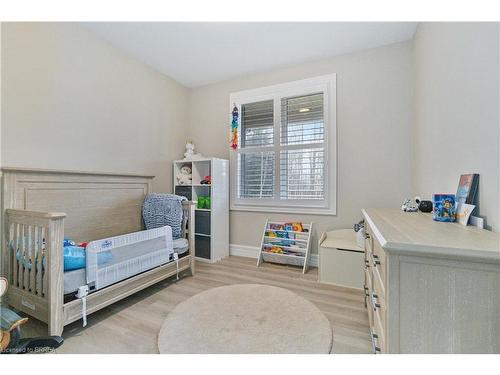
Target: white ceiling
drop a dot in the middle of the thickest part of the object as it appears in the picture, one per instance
(196, 54)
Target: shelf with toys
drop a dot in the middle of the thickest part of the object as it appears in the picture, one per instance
(205, 181)
(286, 243)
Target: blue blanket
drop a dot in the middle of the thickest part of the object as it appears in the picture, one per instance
(74, 258)
(163, 209)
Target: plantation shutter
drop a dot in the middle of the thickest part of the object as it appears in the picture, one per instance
(302, 154)
(256, 168)
(257, 122)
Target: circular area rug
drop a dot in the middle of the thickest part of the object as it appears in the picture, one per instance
(245, 318)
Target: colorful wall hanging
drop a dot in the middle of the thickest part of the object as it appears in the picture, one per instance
(234, 129)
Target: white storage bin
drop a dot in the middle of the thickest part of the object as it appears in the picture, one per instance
(341, 259)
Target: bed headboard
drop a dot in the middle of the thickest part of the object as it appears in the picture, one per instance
(97, 205)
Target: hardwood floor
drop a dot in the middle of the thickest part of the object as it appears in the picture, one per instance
(132, 325)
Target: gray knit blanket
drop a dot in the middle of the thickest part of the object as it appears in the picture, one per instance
(159, 210)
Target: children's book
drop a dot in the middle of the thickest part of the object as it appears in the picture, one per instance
(444, 207)
(467, 187)
(463, 212)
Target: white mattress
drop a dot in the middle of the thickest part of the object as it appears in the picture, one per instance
(181, 245)
(73, 280)
(76, 278)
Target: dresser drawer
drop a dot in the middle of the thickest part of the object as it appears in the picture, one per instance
(378, 298)
(368, 239)
(380, 261)
(369, 309)
(377, 256)
(378, 343)
(378, 329)
(367, 260)
(368, 287)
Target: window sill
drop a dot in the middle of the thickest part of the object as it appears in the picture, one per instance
(286, 210)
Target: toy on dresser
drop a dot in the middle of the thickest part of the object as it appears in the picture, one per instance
(444, 207)
(185, 175)
(410, 205)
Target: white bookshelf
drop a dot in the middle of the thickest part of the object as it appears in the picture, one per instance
(294, 245)
(211, 225)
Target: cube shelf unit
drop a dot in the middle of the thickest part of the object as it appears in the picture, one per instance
(211, 225)
(295, 245)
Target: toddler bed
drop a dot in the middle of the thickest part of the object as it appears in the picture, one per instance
(105, 209)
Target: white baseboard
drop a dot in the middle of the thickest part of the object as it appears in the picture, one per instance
(244, 251)
(253, 252)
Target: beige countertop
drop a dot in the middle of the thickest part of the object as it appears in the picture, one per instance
(416, 233)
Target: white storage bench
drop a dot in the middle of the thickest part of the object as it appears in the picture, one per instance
(341, 259)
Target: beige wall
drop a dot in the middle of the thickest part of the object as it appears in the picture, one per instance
(457, 110)
(0, 104)
(72, 101)
(374, 116)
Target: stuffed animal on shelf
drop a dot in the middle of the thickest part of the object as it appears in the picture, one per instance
(190, 154)
(185, 176)
(189, 150)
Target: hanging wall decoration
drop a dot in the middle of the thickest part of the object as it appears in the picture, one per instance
(234, 129)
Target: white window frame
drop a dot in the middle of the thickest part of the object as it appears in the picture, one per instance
(325, 84)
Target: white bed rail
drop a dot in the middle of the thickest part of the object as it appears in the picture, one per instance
(130, 262)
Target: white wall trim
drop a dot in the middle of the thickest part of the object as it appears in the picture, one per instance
(253, 252)
(244, 251)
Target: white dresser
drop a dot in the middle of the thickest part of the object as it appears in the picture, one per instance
(431, 287)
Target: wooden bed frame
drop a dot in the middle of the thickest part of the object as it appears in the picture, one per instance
(82, 206)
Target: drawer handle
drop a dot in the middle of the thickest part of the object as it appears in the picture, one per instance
(376, 349)
(367, 263)
(368, 237)
(375, 260)
(375, 304)
(367, 294)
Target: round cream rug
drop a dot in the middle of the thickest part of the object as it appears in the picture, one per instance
(245, 318)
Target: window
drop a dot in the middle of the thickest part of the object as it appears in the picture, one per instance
(286, 153)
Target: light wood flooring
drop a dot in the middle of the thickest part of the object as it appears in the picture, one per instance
(132, 325)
